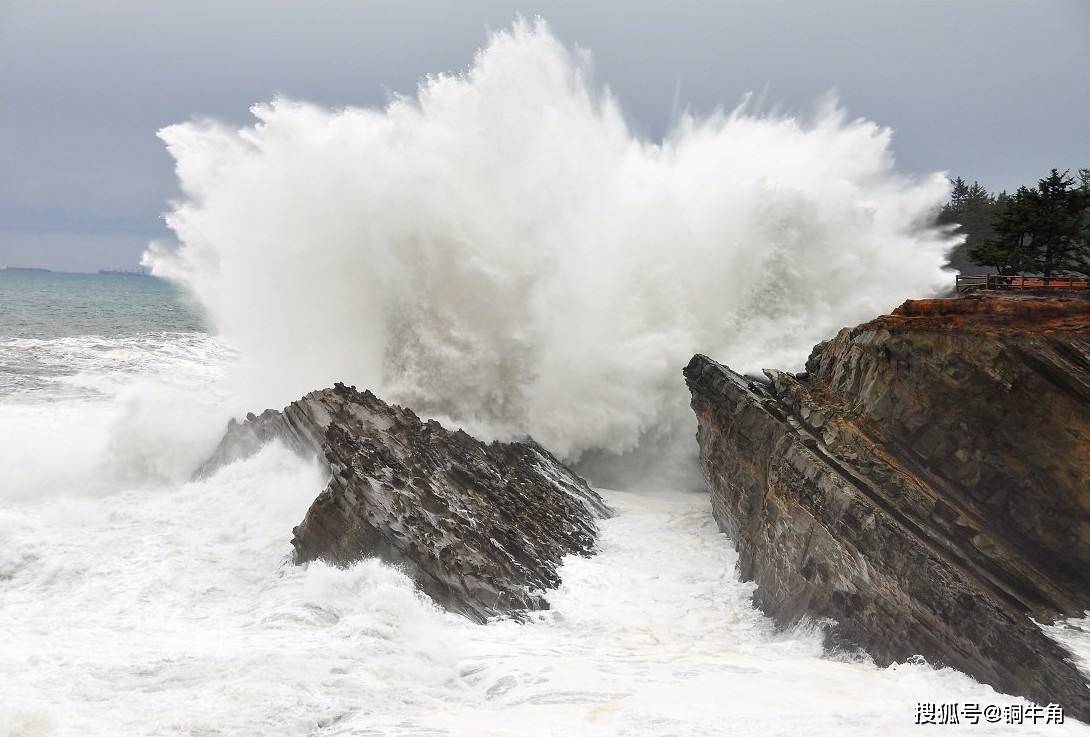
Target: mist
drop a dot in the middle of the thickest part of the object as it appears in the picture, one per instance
(501, 251)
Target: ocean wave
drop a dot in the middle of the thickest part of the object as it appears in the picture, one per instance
(502, 251)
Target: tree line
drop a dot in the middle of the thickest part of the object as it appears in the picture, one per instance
(1036, 230)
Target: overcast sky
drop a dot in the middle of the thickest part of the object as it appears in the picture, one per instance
(995, 90)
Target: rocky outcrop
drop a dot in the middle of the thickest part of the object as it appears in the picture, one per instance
(925, 485)
(481, 528)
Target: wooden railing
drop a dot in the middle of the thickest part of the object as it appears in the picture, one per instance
(965, 283)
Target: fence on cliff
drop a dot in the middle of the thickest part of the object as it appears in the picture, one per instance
(1001, 282)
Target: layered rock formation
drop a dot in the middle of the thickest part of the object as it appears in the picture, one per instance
(481, 528)
(925, 485)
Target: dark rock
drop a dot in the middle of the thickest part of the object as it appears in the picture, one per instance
(925, 485)
(481, 528)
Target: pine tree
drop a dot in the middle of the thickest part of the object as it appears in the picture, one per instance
(1045, 230)
(1058, 220)
(973, 209)
(958, 193)
(1008, 249)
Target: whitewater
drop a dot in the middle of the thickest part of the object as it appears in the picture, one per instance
(501, 252)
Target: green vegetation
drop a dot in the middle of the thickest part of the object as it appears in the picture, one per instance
(1041, 230)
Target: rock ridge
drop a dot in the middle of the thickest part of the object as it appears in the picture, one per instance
(925, 484)
(482, 528)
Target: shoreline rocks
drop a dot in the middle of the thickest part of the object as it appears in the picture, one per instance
(925, 484)
(482, 528)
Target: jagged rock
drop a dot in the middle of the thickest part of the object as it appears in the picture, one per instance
(925, 484)
(481, 528)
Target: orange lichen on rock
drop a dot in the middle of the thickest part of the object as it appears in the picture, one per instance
(1012, 312)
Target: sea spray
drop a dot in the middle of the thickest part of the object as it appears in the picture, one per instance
(160, 607)
(503, 252)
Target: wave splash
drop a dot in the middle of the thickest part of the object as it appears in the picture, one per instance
(503, 252)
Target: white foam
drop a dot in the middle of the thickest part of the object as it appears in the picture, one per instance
(89, 414)
(503, 251)
(172, 610)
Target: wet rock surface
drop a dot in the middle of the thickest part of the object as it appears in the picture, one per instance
(925, 485)
(481, 527)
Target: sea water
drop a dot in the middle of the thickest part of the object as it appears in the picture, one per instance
(136, 601)
(502, 252)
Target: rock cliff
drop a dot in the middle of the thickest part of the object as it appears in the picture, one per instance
(924, 484)
(481, 528)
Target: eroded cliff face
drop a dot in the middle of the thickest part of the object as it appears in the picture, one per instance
(925, 484)
(481, 528)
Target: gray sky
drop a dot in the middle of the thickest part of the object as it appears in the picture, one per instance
(995, 90)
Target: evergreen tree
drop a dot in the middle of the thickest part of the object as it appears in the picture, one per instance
(1045, 230)
(973, 209)
(958, 193)
(1059, 220)
(1007, 250)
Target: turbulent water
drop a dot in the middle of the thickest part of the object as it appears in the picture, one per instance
(501, 251)
(134, 604)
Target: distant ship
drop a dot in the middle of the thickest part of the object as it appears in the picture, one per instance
(138, 271)
(26, 268)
